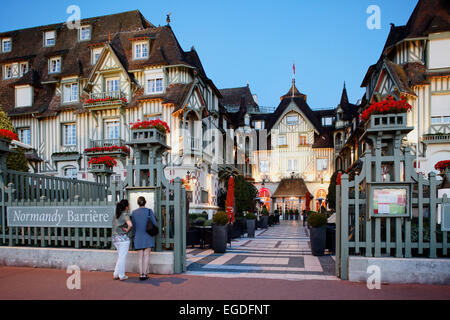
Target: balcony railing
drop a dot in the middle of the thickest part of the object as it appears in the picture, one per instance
(104, 145)
(101, 100)
(436, 138)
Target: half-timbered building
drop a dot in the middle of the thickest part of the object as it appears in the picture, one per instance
(415, 64)
(68, 90)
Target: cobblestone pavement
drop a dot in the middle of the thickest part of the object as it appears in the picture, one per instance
(280, 252)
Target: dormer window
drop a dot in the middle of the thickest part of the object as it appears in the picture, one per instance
(70, 92)
(85, 33)
(6, 45)
(155, 86)
(49, 38)
(292, 120)
(24, 96)
(247, 120)
(96, 52)
(327, 121)
(140, 50)
(15, 70)
(54, 65)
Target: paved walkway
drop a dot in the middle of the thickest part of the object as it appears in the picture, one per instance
(280, 252)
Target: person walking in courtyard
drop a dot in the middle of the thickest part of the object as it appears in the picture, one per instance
(121, 226)
(143, 242)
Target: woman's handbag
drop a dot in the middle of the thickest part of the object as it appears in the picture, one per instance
(152, 230)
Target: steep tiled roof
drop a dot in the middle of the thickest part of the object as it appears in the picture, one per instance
(300, 100)
(119, 30)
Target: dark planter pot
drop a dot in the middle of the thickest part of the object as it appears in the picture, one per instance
(331, 237)
(251, 228)
(265, 222)
(318, 239)
(219, 238)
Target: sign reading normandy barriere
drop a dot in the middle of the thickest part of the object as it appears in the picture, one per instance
(71, 217)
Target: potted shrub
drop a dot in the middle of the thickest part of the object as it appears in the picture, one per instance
(265, 217)
(251, 224)
(220, 233)
(296, 214)
(318, 222)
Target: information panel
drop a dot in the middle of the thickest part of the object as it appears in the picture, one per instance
(389, 201)
(72, 217)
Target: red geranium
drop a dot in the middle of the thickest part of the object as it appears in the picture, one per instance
(108, 149)
(441, 165)
(389, 105)
(89, 101)
(8, 135)
(107, 161)
(150, 124)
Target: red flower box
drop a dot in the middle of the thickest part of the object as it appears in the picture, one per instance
(442, 165)
(8, 135)
(90, 101)
(387, 106)
(151, 124)
(107, 161)
(108, 149)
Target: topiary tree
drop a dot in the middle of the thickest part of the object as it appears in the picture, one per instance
(16, 160)
(244, 194)
(331, 196)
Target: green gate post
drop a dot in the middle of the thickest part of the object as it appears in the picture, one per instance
(344, 227)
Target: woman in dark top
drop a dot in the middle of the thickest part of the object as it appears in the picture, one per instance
(121, 226)
(142, 240)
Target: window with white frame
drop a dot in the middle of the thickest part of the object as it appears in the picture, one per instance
(259, 125)
(71, 172)
(6, 45)
(141, 50)
(15, 70)
(96, 52)
(70, 92)
(85, 33)
(327, 121)
(7, 71)
(112, 129)
(247, 120)
(322, 164)
(292, 165)
(264, 166)
(153, 117)
(282, 141)
(24, 135)
(113, 87)
(54, 65)
(155, 86)
(23, 68)
(440, 119)
(292, 120)
(69, 134)
(49, 38)
(24, 96)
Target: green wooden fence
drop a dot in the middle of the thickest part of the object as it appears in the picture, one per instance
(388, 165)
(28, 190)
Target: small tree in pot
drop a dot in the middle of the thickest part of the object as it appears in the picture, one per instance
(220, 233)
(251, 223)
(265, 217)
(318, 236)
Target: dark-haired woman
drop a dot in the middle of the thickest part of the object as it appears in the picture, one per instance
(121, 226)
(142, 240)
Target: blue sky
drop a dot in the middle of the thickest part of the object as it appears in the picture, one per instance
(252, 41)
